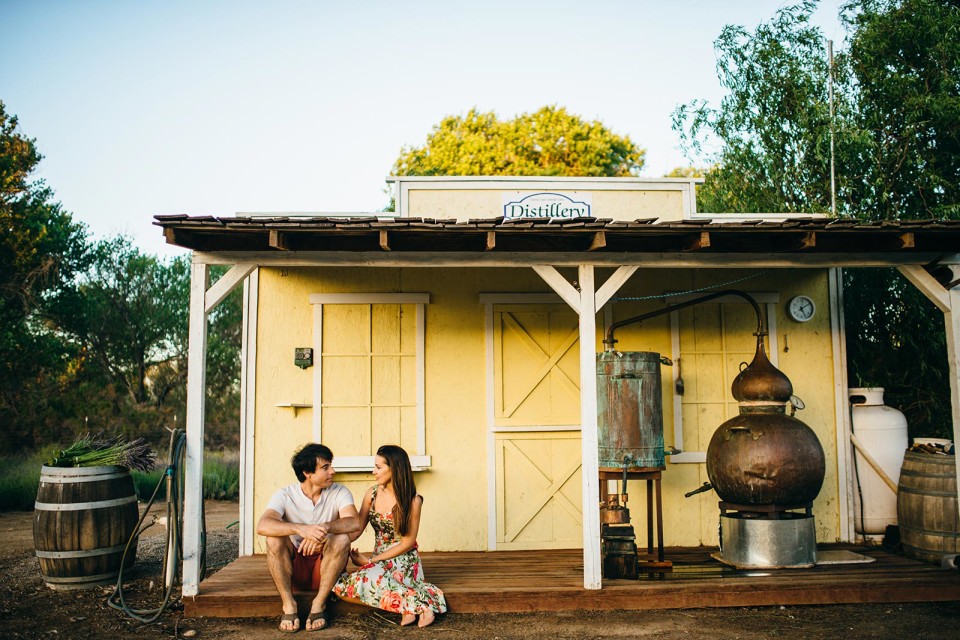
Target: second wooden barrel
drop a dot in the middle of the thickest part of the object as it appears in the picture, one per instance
(82, 521)
(927, 506)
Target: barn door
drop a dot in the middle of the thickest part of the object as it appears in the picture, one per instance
(536, 426)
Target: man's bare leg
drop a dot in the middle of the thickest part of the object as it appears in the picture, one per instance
(280, 562)
(335, 554)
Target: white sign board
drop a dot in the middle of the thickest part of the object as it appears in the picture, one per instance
(546, 204)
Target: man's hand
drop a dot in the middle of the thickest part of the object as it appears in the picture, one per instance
(314, 532)
(310, 547)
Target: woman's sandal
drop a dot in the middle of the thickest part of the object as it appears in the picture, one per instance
(317, 615)
(404, 622)
(433, 617)
(293, 620)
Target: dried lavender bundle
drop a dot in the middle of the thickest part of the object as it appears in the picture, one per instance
(97, 450)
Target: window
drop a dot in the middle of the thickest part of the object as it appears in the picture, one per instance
(709, 341)
(369, 382)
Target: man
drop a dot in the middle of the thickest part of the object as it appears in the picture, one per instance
(308, 526)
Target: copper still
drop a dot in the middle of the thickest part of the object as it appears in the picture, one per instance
(763, 456)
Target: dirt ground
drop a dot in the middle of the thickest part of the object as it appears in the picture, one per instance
(28, 609)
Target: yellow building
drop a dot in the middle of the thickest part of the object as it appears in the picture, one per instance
(456, 328)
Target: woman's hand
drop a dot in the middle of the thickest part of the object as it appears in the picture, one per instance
(358, 558)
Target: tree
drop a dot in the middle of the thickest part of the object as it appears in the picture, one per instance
(126, 314)
(127, 317)
(905, 56)
(773, 127)
(897, 127)
(41, 247)
(548, 142)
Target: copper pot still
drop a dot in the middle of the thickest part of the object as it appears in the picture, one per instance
(763, 456)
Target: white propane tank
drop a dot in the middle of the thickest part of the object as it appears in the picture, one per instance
(882, 431)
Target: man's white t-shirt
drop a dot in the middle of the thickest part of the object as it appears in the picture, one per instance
(293, 505)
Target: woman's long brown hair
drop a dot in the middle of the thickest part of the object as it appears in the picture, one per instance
(404, 488)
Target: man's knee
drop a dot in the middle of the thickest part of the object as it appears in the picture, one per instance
(337, 543)
(279, 545)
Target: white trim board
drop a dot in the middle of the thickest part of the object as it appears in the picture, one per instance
(248, 404)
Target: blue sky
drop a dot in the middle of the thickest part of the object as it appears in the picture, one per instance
(210, 108)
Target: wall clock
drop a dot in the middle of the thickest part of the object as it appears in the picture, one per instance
(801, 308)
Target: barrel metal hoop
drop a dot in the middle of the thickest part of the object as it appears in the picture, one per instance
(79, 479)
(931, 532)
(81, 471)
(916, 474)
(80, 579)
(927, 492)
(80, 506)
(82, 553)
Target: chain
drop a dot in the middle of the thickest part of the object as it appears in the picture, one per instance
(689, 291)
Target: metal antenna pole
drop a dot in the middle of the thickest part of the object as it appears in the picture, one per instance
(833, 171)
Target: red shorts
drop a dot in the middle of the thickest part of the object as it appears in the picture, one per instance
(306, 573)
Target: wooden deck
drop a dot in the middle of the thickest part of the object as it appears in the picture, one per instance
(518, 581)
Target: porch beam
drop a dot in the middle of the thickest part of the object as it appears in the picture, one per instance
(559, 284)
(599, 241)
(278, 240)
(928, 285)
(660, 260)
(807, 241)
(613, 284)
(222, 287)
(196, 398)
(697, 242)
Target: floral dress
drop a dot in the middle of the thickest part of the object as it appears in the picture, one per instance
(396, 584)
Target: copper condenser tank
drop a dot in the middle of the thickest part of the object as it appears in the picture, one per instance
(629, 409)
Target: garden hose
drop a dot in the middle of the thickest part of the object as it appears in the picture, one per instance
(173, 478)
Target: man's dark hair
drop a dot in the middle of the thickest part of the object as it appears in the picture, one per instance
(305, 460)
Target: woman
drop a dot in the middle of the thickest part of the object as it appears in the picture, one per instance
(392, 578)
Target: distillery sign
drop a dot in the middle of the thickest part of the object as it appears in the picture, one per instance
(542, 204)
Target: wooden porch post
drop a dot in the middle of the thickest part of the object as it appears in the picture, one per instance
(947, 301)
(196, 397)
(590, 471)
(586, 302)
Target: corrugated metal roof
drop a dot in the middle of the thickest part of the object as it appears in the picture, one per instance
(799, 235)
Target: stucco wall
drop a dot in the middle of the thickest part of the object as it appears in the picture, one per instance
(455, 514)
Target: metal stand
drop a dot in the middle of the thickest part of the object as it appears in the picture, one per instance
(648, 561)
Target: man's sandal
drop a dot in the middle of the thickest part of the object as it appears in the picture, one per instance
(317, 615)
(293, 620)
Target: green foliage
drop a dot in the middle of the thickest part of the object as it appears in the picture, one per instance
(93, 336)
(126, 313)
(19, 481)
(548, 142)
(221, 478)
(21, 478)
(41, 247)
(905, 57)
(772, 127)
(897, 142)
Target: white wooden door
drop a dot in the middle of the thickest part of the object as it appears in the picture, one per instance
(536, 427)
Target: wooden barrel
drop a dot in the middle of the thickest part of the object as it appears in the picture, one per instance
(82, 521)
(927, 506)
